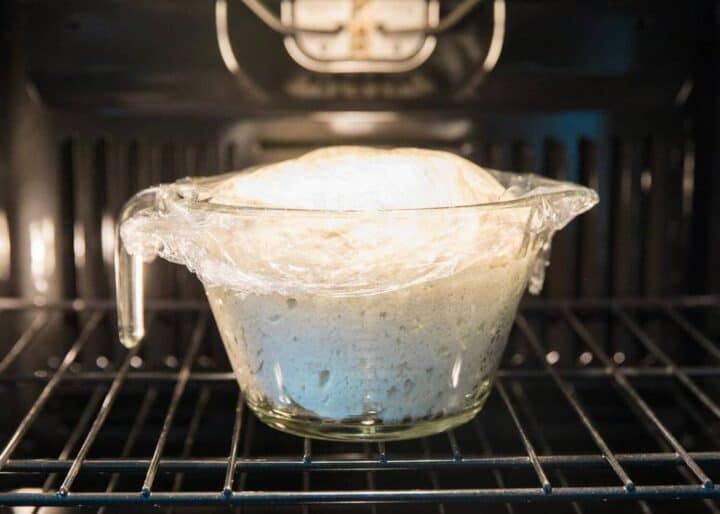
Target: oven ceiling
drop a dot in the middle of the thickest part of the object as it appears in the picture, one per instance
(163, 57)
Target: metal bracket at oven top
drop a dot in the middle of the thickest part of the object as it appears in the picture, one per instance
(360, 36)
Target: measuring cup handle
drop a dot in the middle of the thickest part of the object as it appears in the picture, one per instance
(129, 285)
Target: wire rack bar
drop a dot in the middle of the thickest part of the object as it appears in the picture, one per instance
(38, 323)
(198, 411)
(529, 448)
(385, 496)
(369, 477)
(454, 446)
(534, 427)
(171, 376)
(636, 400)
(432, 474)
(83, 305)
(247, 445)
(693, 412)
(693, 332)
(80, 427)
(574, 402)
(135, 430)
(382, 453)
(307, 458)
(183, 376)
(47, 391)
(99, 422)
(538, 304)
(359, 462)
(663, 357)
(234, 443)
(307, 451)
(486, 448)
(684, 471)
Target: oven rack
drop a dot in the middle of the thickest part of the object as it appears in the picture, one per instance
(567, 346)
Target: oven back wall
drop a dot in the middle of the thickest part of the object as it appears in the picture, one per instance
(619, 105)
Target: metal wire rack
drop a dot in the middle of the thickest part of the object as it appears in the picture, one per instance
(597, 399)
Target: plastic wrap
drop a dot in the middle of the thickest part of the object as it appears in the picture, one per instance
(254, 248)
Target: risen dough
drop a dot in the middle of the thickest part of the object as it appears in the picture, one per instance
(362, 178)
(421, 351)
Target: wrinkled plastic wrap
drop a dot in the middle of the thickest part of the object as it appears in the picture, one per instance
(258, 249)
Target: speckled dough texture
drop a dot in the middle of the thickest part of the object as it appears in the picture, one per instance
(421, 352)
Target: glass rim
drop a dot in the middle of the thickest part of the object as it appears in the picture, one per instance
(523, 201)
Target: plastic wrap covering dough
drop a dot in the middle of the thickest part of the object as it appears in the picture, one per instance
(347, 221)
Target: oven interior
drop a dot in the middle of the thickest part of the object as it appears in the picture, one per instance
(608, 393)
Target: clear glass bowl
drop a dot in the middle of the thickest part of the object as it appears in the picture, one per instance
(352, 325)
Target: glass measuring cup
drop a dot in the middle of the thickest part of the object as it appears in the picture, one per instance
(350, 324)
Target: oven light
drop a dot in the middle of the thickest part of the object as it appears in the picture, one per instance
(354, 122)
(4, 247)
(42, 253)
(360, 123)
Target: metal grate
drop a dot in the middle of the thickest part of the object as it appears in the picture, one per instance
(164, 424)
